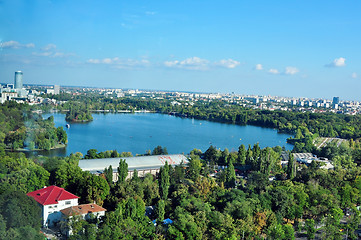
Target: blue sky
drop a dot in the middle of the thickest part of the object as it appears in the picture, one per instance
(284, 48)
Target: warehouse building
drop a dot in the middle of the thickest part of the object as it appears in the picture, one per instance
(144, 164)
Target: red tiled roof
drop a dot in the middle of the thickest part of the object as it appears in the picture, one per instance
(51, 195)
(82, 209)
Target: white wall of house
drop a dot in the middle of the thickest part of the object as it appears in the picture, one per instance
(52, 214)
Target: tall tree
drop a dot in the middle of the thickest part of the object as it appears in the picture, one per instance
(291, 167)
(194, 167)
(135, 176)
(230, 176)
(164, 181)
(241, 155)
(160, 211)
(122, 170)
(108, 172)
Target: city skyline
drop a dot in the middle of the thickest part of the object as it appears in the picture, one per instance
(293, 49)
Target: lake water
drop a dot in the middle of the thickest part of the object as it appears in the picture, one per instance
(140, 132)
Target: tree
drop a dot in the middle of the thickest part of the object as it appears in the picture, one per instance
(194, 167)
(158, 150)
(114, 154)
(211, 155)
(91, 154)
(163, 181)
(108, 172)
(160, 211)
(61, 135)
(241, 155)
(291, 167)
(19, 210)
(122, 170)
(332, 224)
(135, 176)
(230, 176)
(310, 229)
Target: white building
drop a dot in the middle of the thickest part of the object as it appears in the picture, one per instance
(51, 200)
(86, 211)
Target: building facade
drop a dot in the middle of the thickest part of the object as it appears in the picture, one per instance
(52, 200)
(18, 81)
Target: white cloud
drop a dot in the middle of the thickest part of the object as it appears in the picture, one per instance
(16, 45)
(354, 75)
(291, 70)
(196, 63)
(259, 67)
(338, 62)
(53, 54)
(48, 47)
(273, 71)
(227, 63)
(193, 63)
(94, 61)
(120, 63)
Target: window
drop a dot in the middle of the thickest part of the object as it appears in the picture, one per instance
(67, 202)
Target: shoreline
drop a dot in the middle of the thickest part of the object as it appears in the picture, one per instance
(59, 146)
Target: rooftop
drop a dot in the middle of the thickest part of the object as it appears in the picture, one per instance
(82, 209)
(51, 195)
(139, 163)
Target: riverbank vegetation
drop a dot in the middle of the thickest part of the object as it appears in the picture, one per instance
(78, 112)
(23, 129)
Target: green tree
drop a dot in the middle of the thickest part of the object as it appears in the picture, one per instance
(135, 176)
(310, 229)
(108, 172)
(230, 176)
(241, 155)
(160, 211)
(194, 167)
(91, 154)
(122, 170)
(291, 167)
(163, 181)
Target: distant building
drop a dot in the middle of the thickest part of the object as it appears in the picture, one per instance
(336, 100)
(50, 91)
(307, 158)
(18, 81)
(144, 164)
(51, 200)
(10, 86)
(56, 89)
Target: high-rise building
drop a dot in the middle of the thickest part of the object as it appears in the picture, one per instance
(18, 80)
(336, 100)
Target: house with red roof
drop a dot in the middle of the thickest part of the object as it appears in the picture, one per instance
(52, 200)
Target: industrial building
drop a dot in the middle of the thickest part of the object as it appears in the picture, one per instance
(144, 164)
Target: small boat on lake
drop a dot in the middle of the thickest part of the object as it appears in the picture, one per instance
(67, 125)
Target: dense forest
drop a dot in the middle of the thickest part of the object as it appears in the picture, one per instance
(78, 112)
(22, 128)
(245, 194)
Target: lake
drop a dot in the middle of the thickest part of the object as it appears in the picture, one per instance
(140, 132)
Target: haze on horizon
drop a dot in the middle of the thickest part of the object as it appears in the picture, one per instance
(291, 48)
